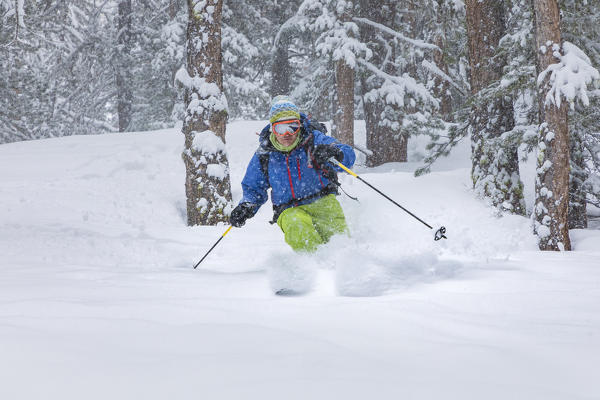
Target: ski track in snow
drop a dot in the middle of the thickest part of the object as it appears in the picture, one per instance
(98, 298)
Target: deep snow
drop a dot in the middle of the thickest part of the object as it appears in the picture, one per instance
(98, 298)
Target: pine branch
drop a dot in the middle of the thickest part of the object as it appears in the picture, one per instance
(417, 43)
(406, 82)
(431, 67)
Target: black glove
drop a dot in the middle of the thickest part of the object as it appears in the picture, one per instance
(241, 213)
(323, 152)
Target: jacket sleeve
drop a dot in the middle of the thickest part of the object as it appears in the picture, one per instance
(254, 184)
(349, 155)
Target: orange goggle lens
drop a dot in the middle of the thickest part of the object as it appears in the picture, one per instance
(286, 128)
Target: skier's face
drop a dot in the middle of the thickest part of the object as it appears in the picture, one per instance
(287, 140)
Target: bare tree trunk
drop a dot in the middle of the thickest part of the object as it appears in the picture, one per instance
(280, 67)
(495, 164)
(343, 111)
(123, 66)
(552, 181)
(343, 126)
(207, 185)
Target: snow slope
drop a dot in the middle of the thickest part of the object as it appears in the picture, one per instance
(98, 298)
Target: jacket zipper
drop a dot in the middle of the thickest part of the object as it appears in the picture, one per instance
(298, 165)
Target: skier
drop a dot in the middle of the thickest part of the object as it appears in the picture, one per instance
(292, 159)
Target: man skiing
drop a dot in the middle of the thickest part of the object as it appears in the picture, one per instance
(292, 159)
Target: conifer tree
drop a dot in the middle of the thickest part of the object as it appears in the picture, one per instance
(495, 166)
(345, 64)
(57, 78)
(552, 181)
(395, 97)
(207, 183)
(383, 119)
(157, 54)
(339, 48)
(578, 24)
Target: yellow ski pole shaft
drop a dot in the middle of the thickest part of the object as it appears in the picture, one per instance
(439, 234)
(214, 245)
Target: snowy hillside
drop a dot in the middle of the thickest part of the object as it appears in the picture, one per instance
(98, 298)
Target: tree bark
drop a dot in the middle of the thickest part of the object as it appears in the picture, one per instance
(280, 67)
(495, 164)
(343, 112)
(208, 187)
(343, 117)
(552, 181)
(123, 65)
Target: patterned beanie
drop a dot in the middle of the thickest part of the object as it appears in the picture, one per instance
(282, 108)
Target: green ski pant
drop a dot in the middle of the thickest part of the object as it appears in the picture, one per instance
(309, 225)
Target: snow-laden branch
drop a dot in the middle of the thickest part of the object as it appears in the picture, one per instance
(288, 28)
(570, 77)
(343, 46)
(207, 142)
(400, 86)
(205, 95)
(198, 84)
(431, 67)
(383, 28)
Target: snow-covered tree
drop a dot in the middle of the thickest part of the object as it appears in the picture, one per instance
(395, 98)
(337, 50)
(446, 34)
(248, 34)
(338, 41)
(124, 64)
(552, 180)
(207, 184)
(281, 69)
(157, 54)
(495, 166)
(57, 78)
(578, 22)
(447, 78)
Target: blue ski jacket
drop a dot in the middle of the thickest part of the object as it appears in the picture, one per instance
(294, 177)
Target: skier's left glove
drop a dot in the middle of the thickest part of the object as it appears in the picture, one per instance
(241, 213)
(323, 152)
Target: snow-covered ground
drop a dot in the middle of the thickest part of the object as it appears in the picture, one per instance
(98, 298)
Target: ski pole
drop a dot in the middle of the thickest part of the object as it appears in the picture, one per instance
(439, 234)
(214, 245)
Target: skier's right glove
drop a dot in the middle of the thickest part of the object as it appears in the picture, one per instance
(323, 152)
(241, 213)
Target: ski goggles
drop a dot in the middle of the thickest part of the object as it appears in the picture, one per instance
(286, 128)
